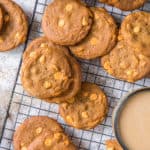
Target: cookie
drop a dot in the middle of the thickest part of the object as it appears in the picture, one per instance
(125, 4)
(66, 22)
(113, 145)
(148, 76)
(49, 72)
(32, 128)
(52, 141)
(88, 109)
(15, 28)
(125, 63)
(135, 30)
(1, 18)
(101, 38)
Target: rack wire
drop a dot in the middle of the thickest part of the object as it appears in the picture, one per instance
(22, 105)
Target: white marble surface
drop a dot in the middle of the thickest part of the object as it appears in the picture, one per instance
(9, 64)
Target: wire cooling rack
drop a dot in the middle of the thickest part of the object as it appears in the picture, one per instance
(22, 105)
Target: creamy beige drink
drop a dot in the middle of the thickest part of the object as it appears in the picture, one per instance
(134, 122)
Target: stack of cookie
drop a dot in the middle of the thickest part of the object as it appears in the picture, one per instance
(130, 59)
(49, 72)
(41, 133)
(13, 25)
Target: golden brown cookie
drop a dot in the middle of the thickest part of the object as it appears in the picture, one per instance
(135, 30)
(66, 22)
(125, 63)
(1, 18)
(113, 145)
(101, 38)
(125, 4)
(148, 76)
(32, 128)
(49, 72)
(88, 109)
(15, 28)
(52, 141)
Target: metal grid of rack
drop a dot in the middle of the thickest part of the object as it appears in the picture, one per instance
(22, 105)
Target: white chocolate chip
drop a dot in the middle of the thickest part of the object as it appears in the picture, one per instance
(47, 84)
(68, 7)
(85, 114)
(84, 21)
(23, 148)
(61, 23)
(38, 130)
(136, 29)
(42, 59)
(48, 142)
(93, 96)
(93, 41)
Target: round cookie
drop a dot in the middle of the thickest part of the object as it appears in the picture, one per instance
(125, 4)
(135, 30)
(52, 141)
(15, 28)
(49, 72)
(88, 109)
(32, 128)
(66, 22)
(148, 76)
(1, 18)
(101, 38)
(125, 63)
(113, 145)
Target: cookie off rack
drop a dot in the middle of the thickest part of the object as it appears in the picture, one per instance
(23, 106)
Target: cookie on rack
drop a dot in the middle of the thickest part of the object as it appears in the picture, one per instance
(49, 71)
(126, 63)
(66, 22)
(32, 128)
(88, 109)
(113, 145)
(52, 141)
(15, 26)
(101, 39)
(1, 18)
(148, 76)
(135, 31)
(125, 4)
